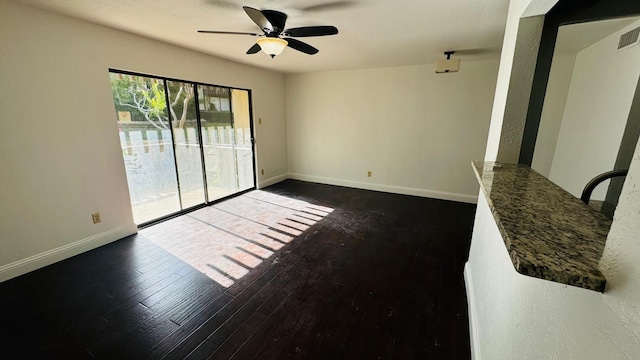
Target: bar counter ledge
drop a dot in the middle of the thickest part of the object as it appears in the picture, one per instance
(549, 233)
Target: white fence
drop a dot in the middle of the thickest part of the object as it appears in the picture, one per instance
(151, 167)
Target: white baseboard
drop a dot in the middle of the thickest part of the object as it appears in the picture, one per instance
(473, 319)
(49, 257)
(473, 199)
(271, 181)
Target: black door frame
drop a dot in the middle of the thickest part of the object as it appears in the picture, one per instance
(164, 79)
(565, 12)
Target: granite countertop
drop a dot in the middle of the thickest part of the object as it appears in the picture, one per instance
(549, 233)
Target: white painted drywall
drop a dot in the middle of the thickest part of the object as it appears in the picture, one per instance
(552, 111)
(415, 130)
(518, 317)
(598, 103)
(621, 266)
(59, 147)
(516, 9)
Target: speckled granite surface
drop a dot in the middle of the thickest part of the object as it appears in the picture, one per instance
(549, 234)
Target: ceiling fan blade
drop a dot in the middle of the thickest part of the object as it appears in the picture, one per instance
(254, 49)
(301, 46)
(258, 17)
(227, 32)
(307, 31)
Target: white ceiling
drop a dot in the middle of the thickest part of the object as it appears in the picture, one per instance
(373, 33)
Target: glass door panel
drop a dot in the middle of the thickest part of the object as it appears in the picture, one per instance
(178, 155)
(217, 140)
(186, 142)
(147, 148)
(243, 139)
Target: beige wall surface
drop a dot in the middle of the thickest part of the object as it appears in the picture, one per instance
(59, 148)
(416, 131)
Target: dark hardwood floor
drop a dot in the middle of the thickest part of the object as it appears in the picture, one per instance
(295, 271)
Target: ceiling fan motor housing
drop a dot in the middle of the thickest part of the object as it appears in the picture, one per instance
(277, 19)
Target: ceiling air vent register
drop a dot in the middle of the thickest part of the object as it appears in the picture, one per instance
(629, 39)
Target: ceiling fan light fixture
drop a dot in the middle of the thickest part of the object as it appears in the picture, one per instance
(272, 46)
(272, 25)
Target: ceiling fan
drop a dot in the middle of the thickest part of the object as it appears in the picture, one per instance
(275, 37)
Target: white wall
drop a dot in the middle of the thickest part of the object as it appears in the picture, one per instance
(552, 111)
(600, 96)
(518, 317)
(415, 130)
(621, 266)
(59, 148)
(516, 9)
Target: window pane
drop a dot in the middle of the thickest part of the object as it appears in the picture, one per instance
(187, 145)
(218, 141)
(145, 138)
(244, 147)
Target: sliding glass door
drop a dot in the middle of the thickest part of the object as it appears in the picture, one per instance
(227, 141)
(147, 146)
(178, 155)
(186, 143)
(243, 151)
(218, 140)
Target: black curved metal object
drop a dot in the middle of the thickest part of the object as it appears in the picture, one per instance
(591, 185)
(254, 49)
(277, 20)
(307, 31)
(301, 46)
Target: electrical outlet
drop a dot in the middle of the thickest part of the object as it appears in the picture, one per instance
(368, 173)
(96, 217)
(259, 121)
(262, 171)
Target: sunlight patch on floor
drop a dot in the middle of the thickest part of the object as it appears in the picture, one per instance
(225, 241)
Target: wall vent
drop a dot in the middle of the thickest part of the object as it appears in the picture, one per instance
(629, 39)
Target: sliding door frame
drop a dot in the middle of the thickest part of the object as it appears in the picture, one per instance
(173, 143)
(195, 84)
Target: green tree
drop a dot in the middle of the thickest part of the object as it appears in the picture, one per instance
(181, 100)
(142, 96)
(146, 98)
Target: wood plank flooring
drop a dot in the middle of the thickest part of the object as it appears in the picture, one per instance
(294, 271)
